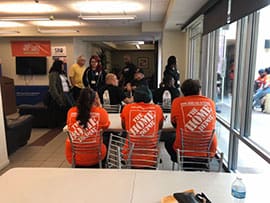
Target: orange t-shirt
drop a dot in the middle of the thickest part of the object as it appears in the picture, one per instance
(99, 119)
(142, 119)
(193, 113)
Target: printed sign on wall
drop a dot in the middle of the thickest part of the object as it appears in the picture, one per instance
(59, 51)
(31, 48)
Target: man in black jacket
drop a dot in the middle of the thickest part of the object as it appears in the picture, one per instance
(116, 94)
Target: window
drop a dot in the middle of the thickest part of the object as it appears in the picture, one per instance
(225, 67)
(260, 117)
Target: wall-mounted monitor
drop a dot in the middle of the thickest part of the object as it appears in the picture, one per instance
(31, 65)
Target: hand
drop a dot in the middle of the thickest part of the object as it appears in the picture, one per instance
(128, 87)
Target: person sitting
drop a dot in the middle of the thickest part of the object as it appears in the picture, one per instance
(94, 75)
(114, 95)
(141, 117)
(264, 88)
(138, 80)
(168, 85)
(260, 80)
(83, 121)
(193, 113)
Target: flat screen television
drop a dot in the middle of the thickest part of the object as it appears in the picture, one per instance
(31, 65)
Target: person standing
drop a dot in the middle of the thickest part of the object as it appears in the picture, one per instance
(59, 90)
(94, 75)
(75, 75)
(171, 69)
(168, 84)
(127, 73)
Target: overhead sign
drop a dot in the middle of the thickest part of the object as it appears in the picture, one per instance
(31, 48)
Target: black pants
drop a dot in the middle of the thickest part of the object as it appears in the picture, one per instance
(76, 93)
(201, 163)
(169, 147)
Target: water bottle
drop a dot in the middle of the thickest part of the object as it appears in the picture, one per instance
(166, 99)
(106, 97)
(238, 190)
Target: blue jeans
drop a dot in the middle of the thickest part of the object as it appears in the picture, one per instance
(259, 95)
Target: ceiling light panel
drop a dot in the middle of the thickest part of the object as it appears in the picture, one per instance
(57, 23)
(57, 31)
(107, 7)
(27, 18)
(108, 17)
(10, 24)
(9, 32)
(26, 8)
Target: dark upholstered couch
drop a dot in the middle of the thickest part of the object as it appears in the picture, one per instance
(44, 117)
(18, 132)
(38, 111)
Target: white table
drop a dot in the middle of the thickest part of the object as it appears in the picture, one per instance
(64, 185)
(117, 126)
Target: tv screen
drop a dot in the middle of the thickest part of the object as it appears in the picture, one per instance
(31, 65)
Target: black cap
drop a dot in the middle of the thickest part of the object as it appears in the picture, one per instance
(142, 94)
(139, 70)
(261, 71)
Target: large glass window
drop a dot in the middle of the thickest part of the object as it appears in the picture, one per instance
(235, 55)
(195, 41)
(260, 117)
(250, 162)
(225, 68)
(223, 136)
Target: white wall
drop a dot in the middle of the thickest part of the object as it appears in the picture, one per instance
(174, 43)
(9, 66)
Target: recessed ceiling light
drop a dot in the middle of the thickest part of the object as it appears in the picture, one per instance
(9, 32)
(57, 23)
(108, 17)
(27, 18)
(110, 7)
(10, 24)
(58, 31)
(22, 7)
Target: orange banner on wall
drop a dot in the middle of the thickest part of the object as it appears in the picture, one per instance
(31, 48)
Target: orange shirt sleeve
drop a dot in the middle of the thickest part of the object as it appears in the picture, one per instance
(124, 114)
(160, 115)
(174, 110)
(104, 122)
(71, 116)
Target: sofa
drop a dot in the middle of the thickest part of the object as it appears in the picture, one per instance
(18, 131)
(44, 116)
(39, 112)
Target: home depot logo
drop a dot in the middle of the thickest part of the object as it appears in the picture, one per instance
(142, 122)
(199, 117)
(78, 133)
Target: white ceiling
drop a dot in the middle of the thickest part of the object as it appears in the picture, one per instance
(154, 17)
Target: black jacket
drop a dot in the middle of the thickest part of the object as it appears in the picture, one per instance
(172, 71)
(94, 79)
